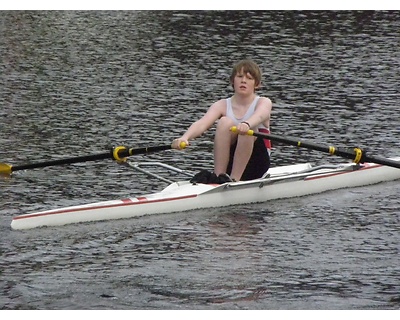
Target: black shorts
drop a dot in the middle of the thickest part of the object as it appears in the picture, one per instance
(258, 164)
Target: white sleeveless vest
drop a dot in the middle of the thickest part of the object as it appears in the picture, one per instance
(248, 114)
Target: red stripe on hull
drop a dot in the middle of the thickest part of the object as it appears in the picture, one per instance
(125, 203)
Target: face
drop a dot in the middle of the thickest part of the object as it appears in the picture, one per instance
(244, 83)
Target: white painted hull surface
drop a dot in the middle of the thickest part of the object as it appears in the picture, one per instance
(284, 182)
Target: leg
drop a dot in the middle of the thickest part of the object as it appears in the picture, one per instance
(259, 162)
(222, 144)
(243, 152)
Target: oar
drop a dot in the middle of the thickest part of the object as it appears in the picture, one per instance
(117, 153)
(355, 154)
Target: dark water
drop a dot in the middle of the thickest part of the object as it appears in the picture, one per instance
(74, 83)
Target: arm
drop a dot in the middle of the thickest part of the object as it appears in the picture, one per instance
(203, 124)
(262, 114)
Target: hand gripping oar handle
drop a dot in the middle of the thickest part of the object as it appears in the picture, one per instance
(118, 153)
(357, 155)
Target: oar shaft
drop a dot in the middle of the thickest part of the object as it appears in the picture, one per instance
(132, 151)
(355, 154)
(383, 161)
(93, 157)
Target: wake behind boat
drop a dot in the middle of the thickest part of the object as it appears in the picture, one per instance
(279, 183)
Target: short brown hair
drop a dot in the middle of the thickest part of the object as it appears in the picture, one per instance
(248, 66)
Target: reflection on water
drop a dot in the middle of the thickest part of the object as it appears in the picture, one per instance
(78, 82)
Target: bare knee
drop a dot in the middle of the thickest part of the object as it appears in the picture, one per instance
(223, 133)
(225, 123)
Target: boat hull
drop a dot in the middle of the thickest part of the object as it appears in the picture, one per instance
(284, 182)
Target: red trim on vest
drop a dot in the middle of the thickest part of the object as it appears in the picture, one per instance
(267, 142)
